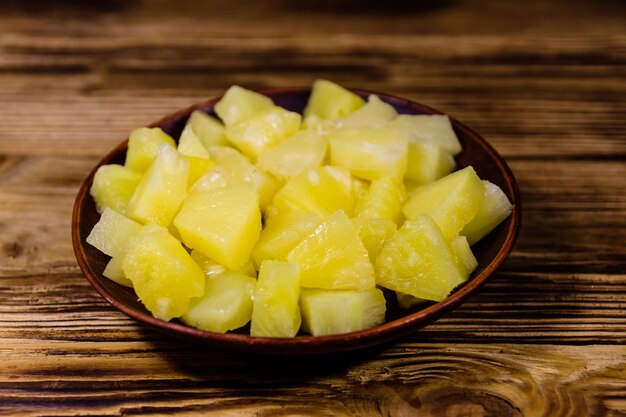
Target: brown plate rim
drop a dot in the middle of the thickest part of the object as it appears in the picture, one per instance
(310, 344)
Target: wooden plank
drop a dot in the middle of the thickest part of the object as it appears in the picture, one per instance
(506, 87)
(407, 379)
(544, 82)
(157, 18)
(47, 123)
(536, 308)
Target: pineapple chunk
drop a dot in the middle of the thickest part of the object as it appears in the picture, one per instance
(326, 312)
(383, 200)
(113, 269)
(196, 154)
(427, 163)
(163, 274)
(376, 113)
(314, 123)
(452, 201)
(113, 186)
(265, 129)
(282, 233)
(370, 153)
(374, 233)
(301, 152)
(198, 167)
(189, 144)
(494, 208)
(210, 267)
(463, 255)
(430, 128)
(208, 130)
(323, 190)
(226, 303)
(143, 144)
(360, 188)
(331, 101)
(333, 257)
(161, 189)
(112, 232)
(275, 311)
(239, 104)
(223, 223)
(417, 260)
(234, 168)
(214, 178)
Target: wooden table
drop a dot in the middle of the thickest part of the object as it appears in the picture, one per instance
(544, 82)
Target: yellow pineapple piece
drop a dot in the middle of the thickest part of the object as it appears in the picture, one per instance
(331, 101)
(239, 104)
(427, 163)
(207, 129)
(173, 231)
(113, 269)
(193, 150)
(494, 208)
(313, 123)
(222, 223)
(429, 128)
(451, 201)
(113, 186)
(198, 167)
(239, 169)
(189, 144)
(333, 257)
(411, 188)
(383, 199)
(163, 274)
(323, 190)
(276, 312)
(263, 130)
(463, 255)
(233, 168)
(161, 189)
(210, 267)
(111, 235)
(270, 212)
(376, 113)
(215, 177)
(327, 312)
(226, 303)
(370, 153)
(300, 152)
(112, 232)
(282, 233)
(143, 144)
(417, 260)
(359, 189)
(374, 232)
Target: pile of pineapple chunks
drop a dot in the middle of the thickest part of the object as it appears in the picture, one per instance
(292, 223)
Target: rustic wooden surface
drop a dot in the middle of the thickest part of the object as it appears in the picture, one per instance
(544, 81)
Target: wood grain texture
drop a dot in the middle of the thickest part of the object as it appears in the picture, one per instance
(544, 82)
(429, 379)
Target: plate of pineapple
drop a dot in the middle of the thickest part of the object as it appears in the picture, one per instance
(297, 220)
